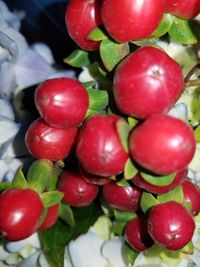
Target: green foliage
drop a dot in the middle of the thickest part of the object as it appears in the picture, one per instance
(158, 180)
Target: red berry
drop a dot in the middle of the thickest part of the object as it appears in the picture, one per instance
(62, 102)
(162, 144)
(82, 16)
(94, 179)
(171, 225)
(136, 234)
(186, 9)
(122, 197)
(77, 192)
(99, 150)
(48, 142)
(128, 20)
(20, 213)
(148, 81)
(50, 219)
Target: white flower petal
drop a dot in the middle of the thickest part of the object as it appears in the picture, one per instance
(7, 78)
(44, 51)
(8, 129)
(6, 109)
(3, 252)
(194, 165)
(179, 111)
(31, 261)
(85, 76)
(112, 251)
(42, 260)
(85, 251)
(13, 258)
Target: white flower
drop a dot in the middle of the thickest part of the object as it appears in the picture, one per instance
(179, 111)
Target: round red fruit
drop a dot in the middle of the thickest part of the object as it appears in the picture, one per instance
(136, 234)
(47, 142)
(147, 82)
(77, 192)
(20, 213)
(62, 102)
(50, 219)
(162, 144)
(128, 20)
(171, 225)
(125, 198)
(186, 9)
(99, 149)
(81, 17)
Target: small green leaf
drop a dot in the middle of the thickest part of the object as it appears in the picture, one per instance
(112, 53)
(66, 214)
(124, 216)
(123, 130)
(118, 227)
(176, 194)
(158, 180)
(188, 249)
(197, 134)
(51, 198)
(181, 32)
(78, 58)
(97, 35)
(5, 185)
(148, 201)
(164, 25)
(132, 122)
(129, 170)
(39, 174)
(123, 182)
(19, 180)
(129, 254)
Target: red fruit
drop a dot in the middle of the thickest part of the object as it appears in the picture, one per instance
(50, 219)
(136, 234)
(186, 9)
(62, 102)
(99, 150)
(191, 194)
(155, 189)
(127, 20)
(148, 81)
(122, 197)
(20, 212)
(162, 144)
(82, 16)
(77, 192)
(47, 142)
(171, 225)
(94, 179)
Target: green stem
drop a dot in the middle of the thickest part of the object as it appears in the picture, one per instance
(188, 81)
(191, 83)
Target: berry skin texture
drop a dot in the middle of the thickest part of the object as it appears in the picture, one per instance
(62, 102)
(125, 198)
(50, 219)
(81, 17)
(136, 234)
(20, 212)
(77, 192)
(128, 20)
(186, 9)
(98, 149)
(46, 142)
(171, 225)
(147, 82)
(162, 144)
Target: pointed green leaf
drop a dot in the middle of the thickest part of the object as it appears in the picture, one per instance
(129, 170)
(51, 198)
(132, 122)
(123, 182)
(188, 249)
(78, 58)
(124, 216)
(97, 35)
(164, 26)
(39, 174)
(148, 201)
(158, 180)
(118, 228)
(181, 32)
(5, 185)
(19, 180)
(66, 214)
(112, 53)
(123, 130)
(176, 194)
(129, 254)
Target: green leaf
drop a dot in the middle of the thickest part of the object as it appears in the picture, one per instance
(78, 58)
(123, 182)
(124, 216)
(51, 198)
(19, 180)
(181, 32)
(66, 214)
(118, 227)
(164, 25)
(129, 254)
(112, 53)
(132, 122)
(197, 134)
(176, 194)
(148, 201)
(97, 35)
(158, 180)
(188, 249)
(129, 170)
(39, 174)
(5, 185)
(123, 130)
